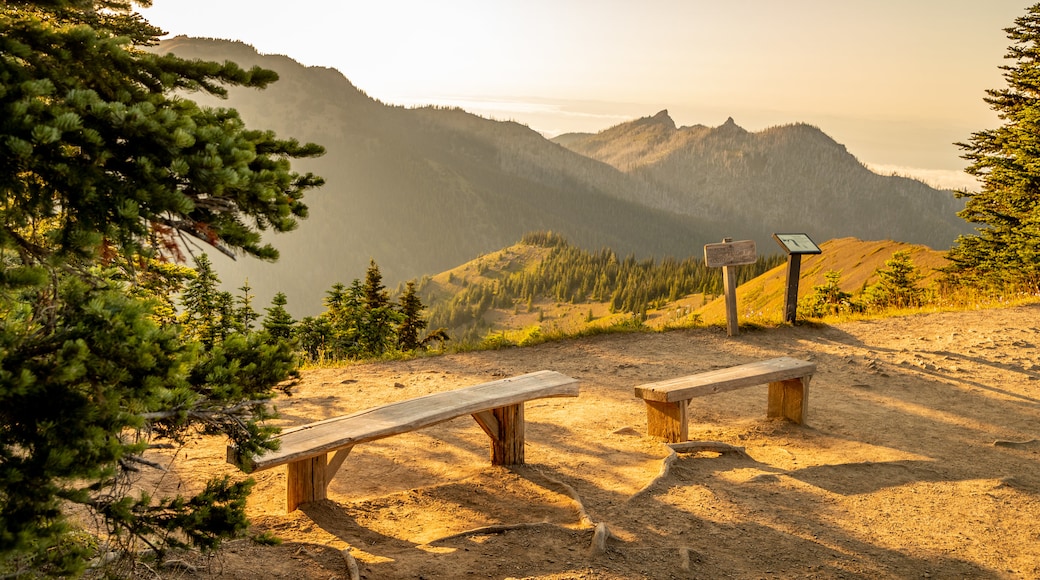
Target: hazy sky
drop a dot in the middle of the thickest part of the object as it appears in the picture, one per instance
(895, 81)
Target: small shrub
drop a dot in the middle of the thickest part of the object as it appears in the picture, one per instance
(267, 538)
(896, 286)
(828, 298)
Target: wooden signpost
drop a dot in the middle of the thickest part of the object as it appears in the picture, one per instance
(795, 245)
(727, 256)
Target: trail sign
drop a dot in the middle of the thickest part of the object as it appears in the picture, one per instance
(727, 255)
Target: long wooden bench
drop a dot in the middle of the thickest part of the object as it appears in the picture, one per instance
(497, 406)
(666, 401)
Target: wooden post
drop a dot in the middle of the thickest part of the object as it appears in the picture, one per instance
(729, 255)
(306, 482)
(667, 421)
(789, 399)
(729, 280)
(508, 447)
(794, 268)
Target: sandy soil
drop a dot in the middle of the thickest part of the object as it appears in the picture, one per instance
(919, 459)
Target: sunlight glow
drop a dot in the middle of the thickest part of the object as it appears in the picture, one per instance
(922, 68)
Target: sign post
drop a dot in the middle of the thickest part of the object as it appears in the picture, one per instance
(795, 245)
(728, 255)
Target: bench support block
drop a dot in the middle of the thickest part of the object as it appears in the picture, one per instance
(508, 447)
(505, 427)
(667, 421)
(307, 481)
(789, 400)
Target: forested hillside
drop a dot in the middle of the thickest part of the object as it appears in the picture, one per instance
(544, 269)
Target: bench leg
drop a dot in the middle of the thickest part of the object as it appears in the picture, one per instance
(667, 421)
(508, 447)
(505, 427)
(789, 400)
(307, 481)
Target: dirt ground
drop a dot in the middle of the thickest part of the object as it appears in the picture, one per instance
(919, 460)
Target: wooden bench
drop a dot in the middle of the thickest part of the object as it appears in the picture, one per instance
(497, 406)
(666, 401)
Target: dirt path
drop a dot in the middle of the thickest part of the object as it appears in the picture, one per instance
(920, 459)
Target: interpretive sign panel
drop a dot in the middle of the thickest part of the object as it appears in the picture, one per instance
(797, 244)
(729, 254)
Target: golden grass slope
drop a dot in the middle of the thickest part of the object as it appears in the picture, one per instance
(758, 301)
(762, 299)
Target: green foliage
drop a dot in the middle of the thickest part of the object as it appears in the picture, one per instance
(267, 538)
(896, 286)
(202, 521)
(278, 322)
(543, 239)
(314, 335)
(160, 282)
(245, 315)
(828, 298)
(360, 321)
(1005, 251)
(377, 320)
(412, 323)
(207, 316)
(90, 134)
(101, 165)
(79, 363)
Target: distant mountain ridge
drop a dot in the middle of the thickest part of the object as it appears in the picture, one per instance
(423, 190)
(785, 178)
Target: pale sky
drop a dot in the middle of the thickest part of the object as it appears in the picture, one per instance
(895, 81)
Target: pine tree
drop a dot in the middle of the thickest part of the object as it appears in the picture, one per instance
(204, 305)
(103, 170)
(896, 285)
(160, 282)
(376, 295)
(376, 331)
(245, 314)
(345, 316)
(1005, 253)
(412, 323)
(278, 322)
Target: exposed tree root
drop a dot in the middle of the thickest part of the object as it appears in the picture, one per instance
(600, 535)
(687, 447)
(1016, 444)
(666, 466)
(353, 572)
(495, 529)
(715, 446)
(583, 516)
(599, 540)
(684, 559)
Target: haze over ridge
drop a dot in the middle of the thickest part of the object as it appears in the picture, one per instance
(896, 82)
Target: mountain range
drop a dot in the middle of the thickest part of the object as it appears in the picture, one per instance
(422, 190)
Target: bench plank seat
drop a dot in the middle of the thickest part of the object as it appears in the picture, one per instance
(497, 406)
(666, 401)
